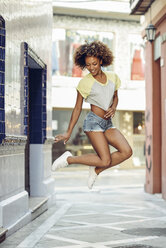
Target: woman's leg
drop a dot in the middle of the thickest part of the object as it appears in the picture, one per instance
(118, 141)
(100, 144)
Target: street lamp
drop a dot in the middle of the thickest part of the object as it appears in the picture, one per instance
(150, 32)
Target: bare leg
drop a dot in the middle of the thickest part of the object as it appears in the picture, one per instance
(118, 141)
(103, 157)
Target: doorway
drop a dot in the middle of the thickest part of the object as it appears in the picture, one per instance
(35, 109)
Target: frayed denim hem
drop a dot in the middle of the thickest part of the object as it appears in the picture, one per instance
(99, 130)
(93, 131)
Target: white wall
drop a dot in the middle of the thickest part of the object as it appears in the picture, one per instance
(31, 22)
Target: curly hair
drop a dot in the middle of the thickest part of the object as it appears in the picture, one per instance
(95, 49)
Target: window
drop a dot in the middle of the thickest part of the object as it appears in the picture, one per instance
(65, 41)
(137, 57)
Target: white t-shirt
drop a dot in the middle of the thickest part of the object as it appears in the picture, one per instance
(97, 93)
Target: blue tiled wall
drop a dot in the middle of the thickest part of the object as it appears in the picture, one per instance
(2, 79)
(32, 24)
(44, 104)
(25, 51)
(26, 22)
(35, 109)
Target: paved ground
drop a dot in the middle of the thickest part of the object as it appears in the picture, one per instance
(116, 213)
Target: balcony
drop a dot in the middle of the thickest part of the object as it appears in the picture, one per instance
(140, 7)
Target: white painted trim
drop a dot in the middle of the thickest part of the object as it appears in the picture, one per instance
(39, 185)
(13, 208)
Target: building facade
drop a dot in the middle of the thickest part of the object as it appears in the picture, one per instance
(25, 109)
(123, 37)
(155, 76)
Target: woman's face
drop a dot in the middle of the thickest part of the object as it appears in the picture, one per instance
(93, 65)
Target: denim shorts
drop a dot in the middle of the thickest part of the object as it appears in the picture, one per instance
(95, 123)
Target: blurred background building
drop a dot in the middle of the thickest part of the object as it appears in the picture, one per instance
(75, 22)
(154, 19)
(26, 185)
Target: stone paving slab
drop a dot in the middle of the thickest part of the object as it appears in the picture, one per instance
(114, 214)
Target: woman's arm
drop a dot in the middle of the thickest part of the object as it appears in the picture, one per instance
(74, 118)
(111, 111)
(76, 113)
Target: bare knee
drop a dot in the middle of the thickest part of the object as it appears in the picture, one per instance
(106, 162)
(128, 153)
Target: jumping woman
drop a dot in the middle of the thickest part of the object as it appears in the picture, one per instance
(100, 89)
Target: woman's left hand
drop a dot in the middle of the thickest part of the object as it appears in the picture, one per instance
(110, 112)
(60, 137)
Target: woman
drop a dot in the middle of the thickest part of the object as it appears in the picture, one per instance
(100, 89)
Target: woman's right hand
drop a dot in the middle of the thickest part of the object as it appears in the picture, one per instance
(64, 137)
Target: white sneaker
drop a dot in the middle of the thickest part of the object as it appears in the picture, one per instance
(61, 162)
(92, 176)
